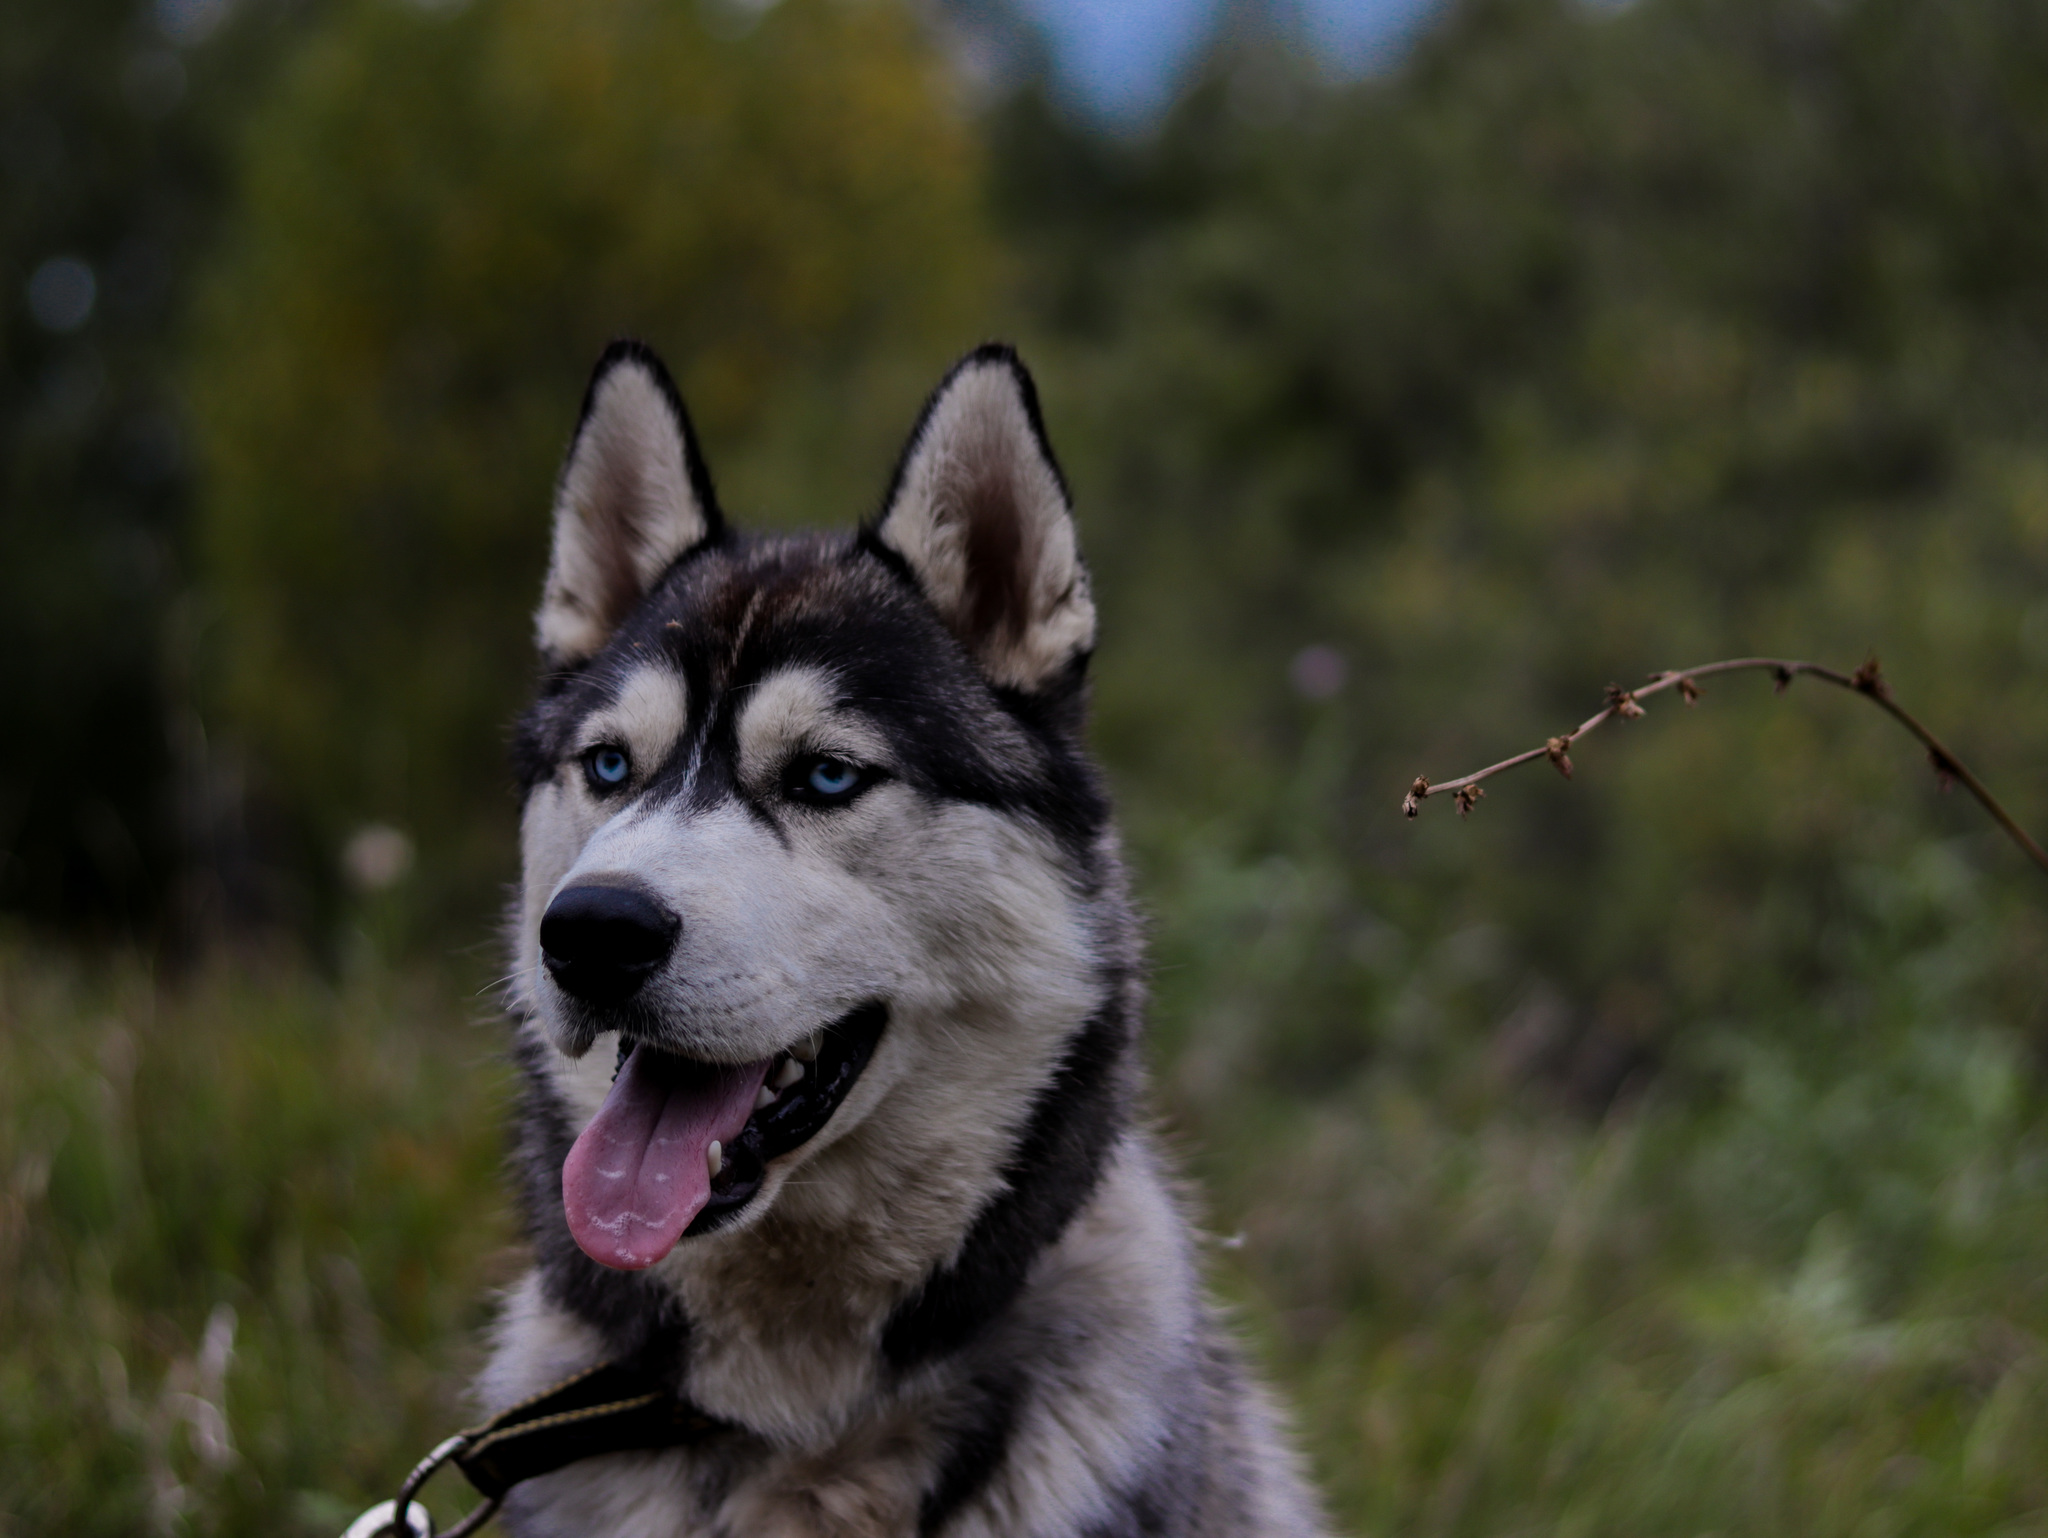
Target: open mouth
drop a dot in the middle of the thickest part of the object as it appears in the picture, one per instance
(681, 1145)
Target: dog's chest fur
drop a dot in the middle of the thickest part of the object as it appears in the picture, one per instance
(967, 1303)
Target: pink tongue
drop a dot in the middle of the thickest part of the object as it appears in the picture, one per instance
(639, 1172)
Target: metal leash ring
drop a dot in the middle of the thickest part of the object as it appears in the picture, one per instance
(382, 1520)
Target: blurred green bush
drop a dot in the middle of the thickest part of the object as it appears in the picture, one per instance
(1589, 344)
(443, 215)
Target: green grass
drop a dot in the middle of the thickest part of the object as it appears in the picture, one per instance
(1799, 1284)
(1796, 1282)
(248, 1231)
(1533, 1328)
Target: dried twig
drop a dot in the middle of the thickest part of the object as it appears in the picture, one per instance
(1867, 681)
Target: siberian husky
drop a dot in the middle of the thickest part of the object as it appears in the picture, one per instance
(828, 1000)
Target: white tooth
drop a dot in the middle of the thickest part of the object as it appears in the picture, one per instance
(714, 1157)
(763, 1096)
(806, 1051)
(790, 1071)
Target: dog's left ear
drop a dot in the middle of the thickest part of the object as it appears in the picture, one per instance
(633, 496)
(979, 514)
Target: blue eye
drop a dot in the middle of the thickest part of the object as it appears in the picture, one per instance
(831, 779)
(607, 767)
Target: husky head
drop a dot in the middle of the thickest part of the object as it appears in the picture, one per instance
(810, 844)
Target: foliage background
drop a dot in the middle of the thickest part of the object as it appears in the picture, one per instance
(386, 348)
(1659, 1152)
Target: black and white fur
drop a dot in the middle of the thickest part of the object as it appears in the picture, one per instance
(972, 1304)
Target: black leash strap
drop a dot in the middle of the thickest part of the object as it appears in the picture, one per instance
(608, 1409)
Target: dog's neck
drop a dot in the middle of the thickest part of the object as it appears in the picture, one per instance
(785, 1322)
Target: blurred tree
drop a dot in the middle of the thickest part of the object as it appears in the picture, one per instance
(112, 117)
(1592, 341)
(445, 214)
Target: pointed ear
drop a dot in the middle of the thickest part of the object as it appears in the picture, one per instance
(633, 495)
(979, 514)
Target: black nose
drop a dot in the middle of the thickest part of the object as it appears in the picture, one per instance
(601, 943)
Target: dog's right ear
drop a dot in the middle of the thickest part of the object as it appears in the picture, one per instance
(633, 496)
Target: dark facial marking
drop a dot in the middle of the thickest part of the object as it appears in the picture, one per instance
(727, 618)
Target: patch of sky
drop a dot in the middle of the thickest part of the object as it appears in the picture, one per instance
(190, 21)
(1361, 35)
(1123, 59)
